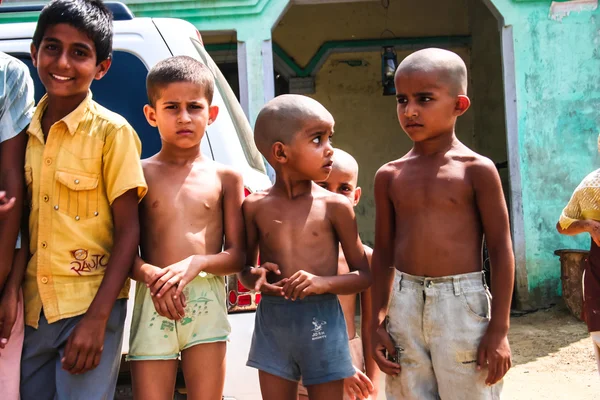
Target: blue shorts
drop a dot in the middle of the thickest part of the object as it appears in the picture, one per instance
(301, 339)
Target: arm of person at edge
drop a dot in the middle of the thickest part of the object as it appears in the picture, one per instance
(366, 305)
(12, 160)
(302, 283)
(227, 262)
(383, 272)
(9, 297)
(252, 276)
(84, 346)
(494, 350)
(582, 226)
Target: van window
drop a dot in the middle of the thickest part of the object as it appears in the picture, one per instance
(111, 92)
(242, 127)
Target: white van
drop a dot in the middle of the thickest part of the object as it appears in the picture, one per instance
(138, 44)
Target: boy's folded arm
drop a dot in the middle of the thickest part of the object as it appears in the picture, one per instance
(245, 276)
(231, 259)
(344, 223)
(141, 270)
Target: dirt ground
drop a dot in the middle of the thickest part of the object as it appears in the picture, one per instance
(553, 358)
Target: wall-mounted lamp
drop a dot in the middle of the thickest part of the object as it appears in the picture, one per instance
(389, 62)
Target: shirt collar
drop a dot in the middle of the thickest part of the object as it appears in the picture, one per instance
(71, 120)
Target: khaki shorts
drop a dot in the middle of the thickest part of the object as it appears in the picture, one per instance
(358, 360)
(154, 337)
(439, 323)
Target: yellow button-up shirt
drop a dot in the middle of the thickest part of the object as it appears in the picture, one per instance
(90, 158)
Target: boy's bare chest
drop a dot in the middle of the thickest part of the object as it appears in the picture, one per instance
(195, 196)
(447, 187)
(306, 223)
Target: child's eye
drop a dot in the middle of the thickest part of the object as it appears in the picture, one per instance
(79, 53)
(402, 100)
(345, 189)
(196, 107)
(317, 140)
(323, 185)
(171, 107)
(426, 99)
(51, 47)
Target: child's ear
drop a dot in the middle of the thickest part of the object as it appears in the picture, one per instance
(150, 114)
(102, 68)
(462, 104)
(213, 111)
(33, 51)
(279, 154)
(357, 194)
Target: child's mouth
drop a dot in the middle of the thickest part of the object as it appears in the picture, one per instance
(61, 78)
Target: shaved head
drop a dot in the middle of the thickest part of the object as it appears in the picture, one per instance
(346, 164)
(281, 118)
(446, 65)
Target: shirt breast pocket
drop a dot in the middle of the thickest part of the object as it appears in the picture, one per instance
(76, 194)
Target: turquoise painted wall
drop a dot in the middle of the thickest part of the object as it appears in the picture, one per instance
(558, 96)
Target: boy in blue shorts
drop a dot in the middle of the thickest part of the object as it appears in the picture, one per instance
(84, 180)
(192, 236)
(300, 330)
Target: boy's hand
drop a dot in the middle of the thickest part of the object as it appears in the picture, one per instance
(178, 275)
(5, 204)
(261, 283)
(382, 342)
(8, 316)
(302, 284)
(84, 346)
(494, 352)
(358, 386)
(169, 307)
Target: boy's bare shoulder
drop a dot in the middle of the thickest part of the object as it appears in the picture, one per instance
(227, 174)
(254, 200)
(476, 164)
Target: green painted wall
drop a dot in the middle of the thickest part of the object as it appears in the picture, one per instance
(558, 96)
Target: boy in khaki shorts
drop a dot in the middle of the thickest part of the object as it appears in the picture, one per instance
(445, 334)
(192, 236)
(364, 384)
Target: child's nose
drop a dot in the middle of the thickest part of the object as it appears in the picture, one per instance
(63, 60)
(184, 116)
(410, 110)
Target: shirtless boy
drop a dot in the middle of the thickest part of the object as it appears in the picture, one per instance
(300, 330)
(343, 179)
(192, 203)
(445, 337)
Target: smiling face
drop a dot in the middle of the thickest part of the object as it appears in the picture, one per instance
(66, 62)
(181, 113)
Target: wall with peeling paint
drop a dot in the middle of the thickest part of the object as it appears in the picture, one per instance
(557, 64)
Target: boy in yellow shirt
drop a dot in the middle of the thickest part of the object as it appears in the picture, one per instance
(84, 181)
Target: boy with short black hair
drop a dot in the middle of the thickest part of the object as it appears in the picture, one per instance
(192, 236)
(84, 180)
(441, 329)
(300, 330)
